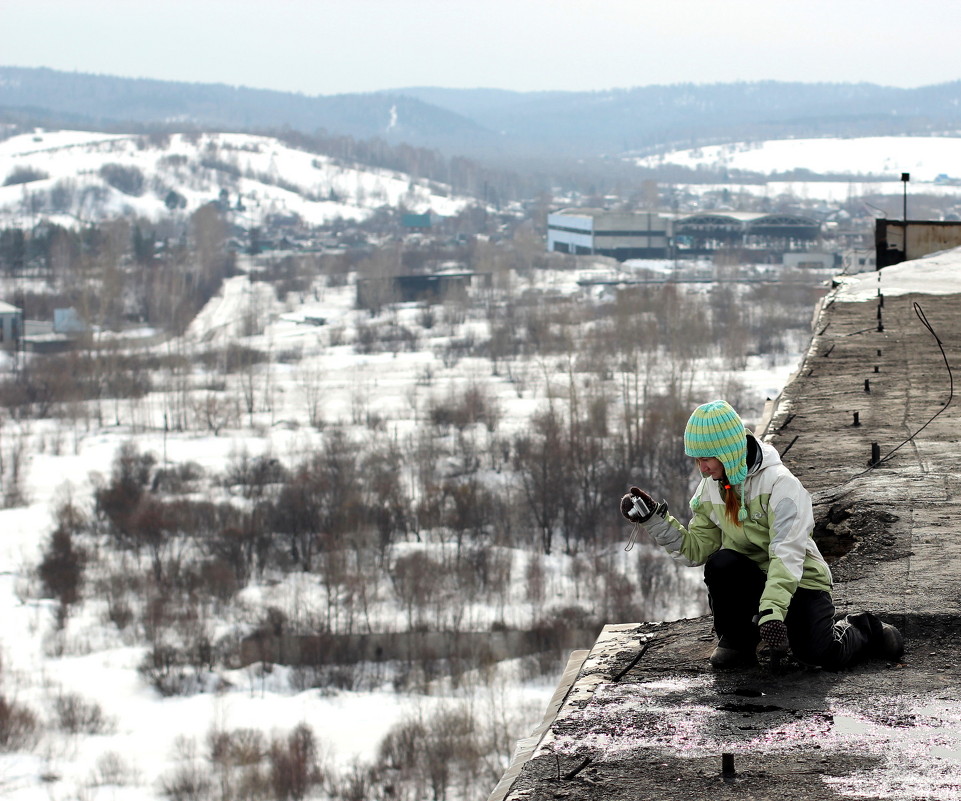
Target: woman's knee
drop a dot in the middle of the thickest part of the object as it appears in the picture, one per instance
(725, 562)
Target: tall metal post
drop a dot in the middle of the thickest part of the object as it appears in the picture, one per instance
(905, 177)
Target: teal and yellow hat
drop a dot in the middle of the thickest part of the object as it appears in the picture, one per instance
(715, 429)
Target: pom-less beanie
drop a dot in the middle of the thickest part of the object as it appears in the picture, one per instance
(715, 429)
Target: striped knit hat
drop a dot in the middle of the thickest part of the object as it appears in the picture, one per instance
(715, 429)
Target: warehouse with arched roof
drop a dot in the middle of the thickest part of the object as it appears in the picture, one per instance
(706, 232)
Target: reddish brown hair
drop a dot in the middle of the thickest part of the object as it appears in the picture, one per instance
(732, 502)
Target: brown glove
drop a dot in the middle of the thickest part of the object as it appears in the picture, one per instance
(637, 506)
(774, 636)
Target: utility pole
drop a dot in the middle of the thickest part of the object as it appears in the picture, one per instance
(905, 177)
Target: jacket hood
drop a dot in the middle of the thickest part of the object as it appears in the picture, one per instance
(769, 457)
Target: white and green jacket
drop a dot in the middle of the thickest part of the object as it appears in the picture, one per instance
(777, 534)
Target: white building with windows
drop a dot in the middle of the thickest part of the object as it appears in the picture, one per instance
(618, 234)
(652, 235)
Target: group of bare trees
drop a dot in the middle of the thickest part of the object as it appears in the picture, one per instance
(115, 272)
(464, 523)
(618, 381)
(418, 527)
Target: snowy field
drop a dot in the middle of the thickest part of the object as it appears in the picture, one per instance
(875, 164)
(925, 157)
(151, 736)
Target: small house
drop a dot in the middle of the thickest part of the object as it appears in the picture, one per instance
(11, 325)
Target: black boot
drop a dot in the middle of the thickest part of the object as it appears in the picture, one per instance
(728, 656)
(882, 640)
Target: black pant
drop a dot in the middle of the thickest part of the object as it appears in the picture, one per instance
(735, 584)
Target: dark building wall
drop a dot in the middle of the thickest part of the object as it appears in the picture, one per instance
(412, 288)
(923, 237)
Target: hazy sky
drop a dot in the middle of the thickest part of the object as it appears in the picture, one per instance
(332, 46)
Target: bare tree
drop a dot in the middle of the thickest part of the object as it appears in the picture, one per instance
(541, 469)
(309, 375)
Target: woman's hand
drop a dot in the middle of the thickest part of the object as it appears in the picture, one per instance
(774, 636)
(637, 506)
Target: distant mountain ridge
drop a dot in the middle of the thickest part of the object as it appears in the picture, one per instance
(645, 118)
(493, 122)
(100, 100)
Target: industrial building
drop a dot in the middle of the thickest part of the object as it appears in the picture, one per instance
(653, 235)
(618, 234)
(903, 240)
(433, 287)
(11, 325)
(707, 232)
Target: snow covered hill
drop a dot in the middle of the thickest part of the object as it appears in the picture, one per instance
(828, 169)
(80, 176)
